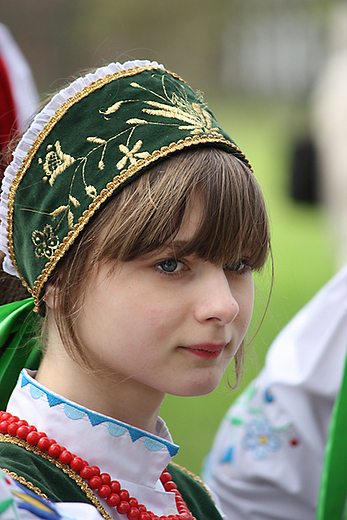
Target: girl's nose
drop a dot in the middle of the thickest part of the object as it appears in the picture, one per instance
(216, 300)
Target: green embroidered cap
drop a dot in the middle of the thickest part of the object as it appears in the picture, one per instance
(91, 139)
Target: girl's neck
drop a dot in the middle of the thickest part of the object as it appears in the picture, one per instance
(118, 399)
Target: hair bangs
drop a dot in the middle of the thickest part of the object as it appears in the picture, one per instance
(234, 224)
(148, 214)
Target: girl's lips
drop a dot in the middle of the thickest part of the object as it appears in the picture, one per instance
(206, 350)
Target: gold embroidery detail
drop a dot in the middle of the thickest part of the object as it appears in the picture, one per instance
(55, 163)
(175, 107)
(131, 154)
(91, 190)
(198, 118)
(65, 468)
(39, 140)
(101, 164)
(25, 482)
(97, 140)
(45, 242)
(112, 109)
(59, 210)
(74, 201)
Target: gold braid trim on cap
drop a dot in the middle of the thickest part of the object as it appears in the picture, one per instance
(64, 467)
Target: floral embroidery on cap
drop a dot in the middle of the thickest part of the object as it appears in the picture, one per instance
(45, 242)
(131, 155)
(176, 107)
(56, 162)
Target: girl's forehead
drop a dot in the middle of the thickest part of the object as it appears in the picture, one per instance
(191, 219)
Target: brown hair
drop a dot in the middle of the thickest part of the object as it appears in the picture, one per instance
(147, 214)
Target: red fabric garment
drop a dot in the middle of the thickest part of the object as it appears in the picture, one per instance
(8, 125)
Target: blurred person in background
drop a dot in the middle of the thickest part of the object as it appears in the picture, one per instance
(18, 103)
(18, 94)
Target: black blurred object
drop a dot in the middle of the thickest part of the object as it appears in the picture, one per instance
(11, 289)
(304, 179)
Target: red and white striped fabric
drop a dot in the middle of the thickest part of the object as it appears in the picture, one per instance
(18, 94)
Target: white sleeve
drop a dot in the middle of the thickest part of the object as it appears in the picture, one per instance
(18, 503)
(266, 459)
(23, 88)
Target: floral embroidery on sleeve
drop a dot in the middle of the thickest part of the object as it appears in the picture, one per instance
(260, 438)
(254, 429)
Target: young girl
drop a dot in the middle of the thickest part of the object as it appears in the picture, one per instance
(135, 222)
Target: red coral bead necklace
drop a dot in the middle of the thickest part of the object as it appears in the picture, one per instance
(101, 483)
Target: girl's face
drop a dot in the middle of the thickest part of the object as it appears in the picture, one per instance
(163, 324)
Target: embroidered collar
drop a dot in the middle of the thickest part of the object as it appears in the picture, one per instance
(139, 457)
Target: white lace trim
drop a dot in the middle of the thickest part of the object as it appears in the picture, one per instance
(31, 134)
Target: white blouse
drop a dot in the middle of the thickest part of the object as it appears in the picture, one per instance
(132, 456)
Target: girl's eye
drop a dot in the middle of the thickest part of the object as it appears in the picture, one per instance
(239, 267)
(170, 265)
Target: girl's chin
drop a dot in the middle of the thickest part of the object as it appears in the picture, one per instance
(197, 390)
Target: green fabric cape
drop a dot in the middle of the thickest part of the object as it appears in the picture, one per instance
(19, 344)
(58, 486)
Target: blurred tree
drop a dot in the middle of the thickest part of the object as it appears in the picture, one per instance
(61, 37)
(270, 47)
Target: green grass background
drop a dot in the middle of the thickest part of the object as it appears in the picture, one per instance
(303, 254)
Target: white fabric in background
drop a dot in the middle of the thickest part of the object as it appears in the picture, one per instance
(22, 84)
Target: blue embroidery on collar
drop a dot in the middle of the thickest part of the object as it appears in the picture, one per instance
(53, 400)
(114, 428)
(151, 444)
(94, 418)
(73, 413)
(24, 380)
(35, 392)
